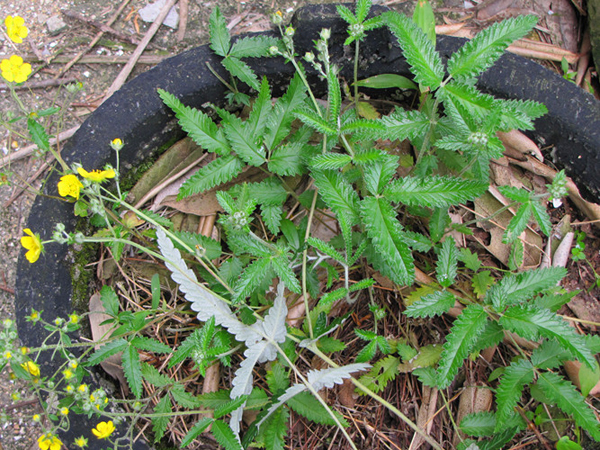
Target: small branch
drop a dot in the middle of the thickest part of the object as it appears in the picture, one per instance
(94, 41)
(96, 59)
(183, 16)
(42, 84)
(104, 28)
(26, 151)
(138, 51)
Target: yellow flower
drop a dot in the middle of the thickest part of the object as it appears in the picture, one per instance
(68, 374)
(74, 318)
(64, 411)
(69, 185)
(33, 244)
(116, 144)
(103, 429)
(7, 354)
(13, 69)
(82, 388)
(32, 368)
(97, 176)
(81, 442)
(49, 442)
(69, 389)
(24, 350)
(16, 29)
(36, 418)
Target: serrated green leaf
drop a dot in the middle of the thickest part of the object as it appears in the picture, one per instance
(330, 345)
(219, 34)
(215, 173)
(570, 401)
(418, 50)
(468, 97)
(197, 125)
(308, 406)
(428, 356)
(107, 350)
(518, 223)
(252, 47)
(155, 290)
(184, 398)
(478, 424)
(281, 117)
(588, 378)
(271, 215)
(133, 370)
(225, 435)
(287, 160)
(510, 388)
(362, 9)
(313, 120)
(334, 94)
(337, 193)
(431, 305)
(268, 192)
(401, 125)
(439, 221)
(367, 353)
(230, 406)
(160, 423)
(275, 429)
(109, 300)
(541, 217)
(460, 342)
(346, 14)
(154, 377)
(251, 278)
(377, 175)
(150, 345)
(198, 428)
(447, 264)
(549, 355)
(38, 134)
(424, 18)
(382, 372)
(469, 259)
(518, 288)
(241, 70)
(281, 265)
(325, 247)
(531, 323)
(434, 191)
(330, 161)
(384, 231)
(243, 141)
(487, 46)
(482, 281)
(261, 110)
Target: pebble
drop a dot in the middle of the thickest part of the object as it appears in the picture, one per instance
(55, 25)
(150, 12)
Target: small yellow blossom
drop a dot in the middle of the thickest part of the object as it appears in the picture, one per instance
(73, 318)
(33, 243)
(24, 350)
(15, 396)
(97, 176)
(49, 442)
(32, 368)
(116, 144)
(34, 316)
(73, 364)
(36, 418)
(82, 388)
(14, 69)
(68, 374)
(69, 185)
(7, 354)
(64, 411)
(16, 29)
(104, 429)
(69, 389)
(81, 442)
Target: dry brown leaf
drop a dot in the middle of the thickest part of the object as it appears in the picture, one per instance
(472, 400)
(112, 365)
(425, 417)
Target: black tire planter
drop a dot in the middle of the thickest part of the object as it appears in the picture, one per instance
(136, 115)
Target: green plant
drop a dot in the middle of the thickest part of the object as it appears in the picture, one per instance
(389, 224)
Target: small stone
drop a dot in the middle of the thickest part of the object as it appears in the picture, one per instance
(150, 12)
(55, 25)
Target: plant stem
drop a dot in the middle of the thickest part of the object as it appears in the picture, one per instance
(384, 402)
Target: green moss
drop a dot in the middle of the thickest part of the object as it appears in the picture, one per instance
(81, 273)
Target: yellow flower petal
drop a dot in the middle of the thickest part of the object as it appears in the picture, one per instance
(16, 29)
(104, 429)
(97, 176)
(69, 185)
(33, 244)
(14, 70)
